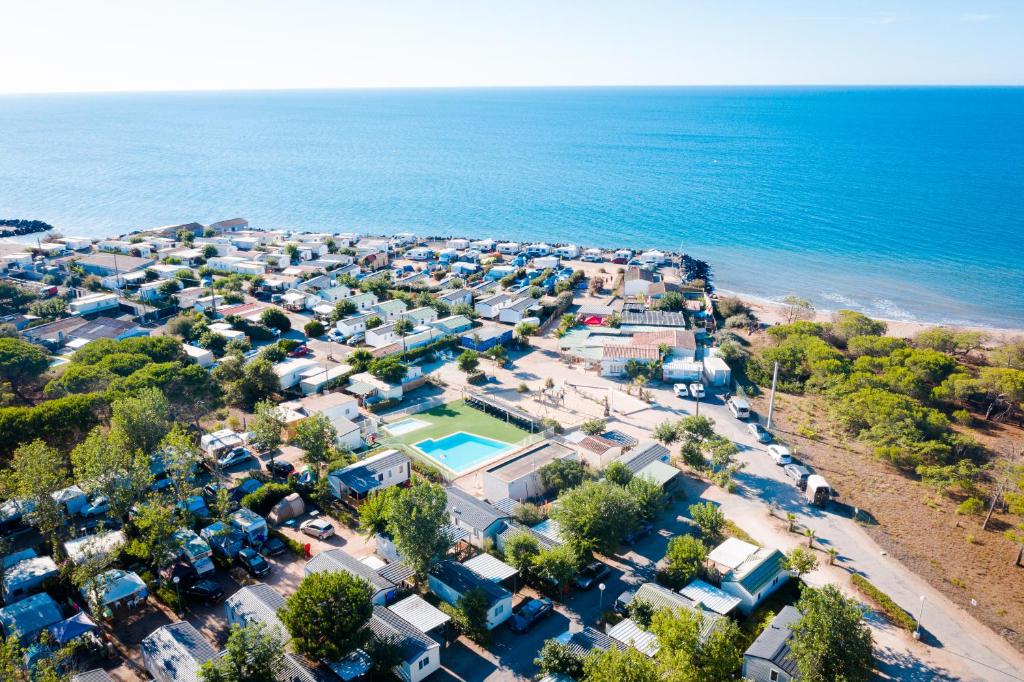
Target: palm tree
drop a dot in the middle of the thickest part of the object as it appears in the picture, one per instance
(832, 553)
(809, 534)
(790, 521)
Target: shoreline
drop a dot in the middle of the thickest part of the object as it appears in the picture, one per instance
(771, 313)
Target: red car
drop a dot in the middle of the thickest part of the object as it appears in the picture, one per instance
(298, 352)
(620, 261)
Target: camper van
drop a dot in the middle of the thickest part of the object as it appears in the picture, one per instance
(195, 551)
(818, 491)
(739, 407)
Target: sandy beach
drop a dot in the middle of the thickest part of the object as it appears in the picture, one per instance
(772, 313)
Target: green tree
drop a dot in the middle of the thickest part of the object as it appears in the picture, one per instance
(649, 497)
(469, 615)
(795, 308)
(327, 614)
(709, 518)
(686, 656)
(684, 559)
(377, 285)
(641, 612)
(105, 465)
(253, 653)
(848, 323)
(952, 341)
(521, 551)
(314, 328)
(618, 473)
(831, 642)
(666, 432)
(143, 419)
(375, 512)
(562, 474)
(266, 426)
(419, 516)
(673, 301)
(181, 459)
(593, 427)
(596, 516)
(389, 369)
(468, 361)
(21, 363)
(556, 567)
(153, 538)
(555, 658)
(402, 326)
(39, 471)
(275, 318)
(343, 309)
(360, 359)
(316, 435)
(373, 321)
(800, 561)
(620, 665)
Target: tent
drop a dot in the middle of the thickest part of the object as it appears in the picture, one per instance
(290, 507)
(71, 628)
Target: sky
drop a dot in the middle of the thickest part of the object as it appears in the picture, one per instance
(141, 45)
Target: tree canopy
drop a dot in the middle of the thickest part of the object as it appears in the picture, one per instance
(326, 615)
(831, 642)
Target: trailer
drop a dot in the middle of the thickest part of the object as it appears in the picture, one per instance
(818, 491)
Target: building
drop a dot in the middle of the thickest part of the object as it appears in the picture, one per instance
(615, 356)
(76, 332)
(201, 356)
(232, 225)
(335, 560)
(257, 603)
(663, 598)
(768, 658)
(488, 308)
(637, 318)
(518, 310)
(486, 337)
(628, 632)
(710, 597)
(340, 409)
(517, 477)
(749, 572)
(93, 303)
(358, 480)
(452, 325)
(88, 547)
(236, 265)
(420, 655)
(717, 371)
(681, 343)
(478, 518)
(26, 619)
(450, 580)
(596, 451)
(116, 592)
(290, 371)
(637, 281)
(27, 576)
(176, 652)
(643, 454)
(111, 265)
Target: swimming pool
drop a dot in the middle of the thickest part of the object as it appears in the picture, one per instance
(400, 428)
(462, 451)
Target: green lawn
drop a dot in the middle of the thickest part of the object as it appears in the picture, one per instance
(457, 416)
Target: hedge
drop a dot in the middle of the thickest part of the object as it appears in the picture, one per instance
(262, 500)
(294, 546)
(59, 421)
(897, 615)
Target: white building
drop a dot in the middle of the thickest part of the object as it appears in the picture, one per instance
(383, 470)
(749, 572)
(450, 581)
(290, 370)
(93, 303)
(517, 478)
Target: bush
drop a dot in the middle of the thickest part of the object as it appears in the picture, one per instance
(294, 546)
(972, 506)
(431, 473)
(476, 378)
(963, 417)
(381, 405)
(314, 328)
(896, 615)
(529, 514)
(263, 500)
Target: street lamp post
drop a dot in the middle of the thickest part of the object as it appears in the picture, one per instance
(920, 613)
(600, 589)
(177, 579)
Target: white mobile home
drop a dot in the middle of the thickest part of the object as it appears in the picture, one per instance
(450, 581)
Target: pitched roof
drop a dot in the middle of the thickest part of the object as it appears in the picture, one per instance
(490, 567)
(514, 528)
(710, 596)
(258, 603)
(419, 613)
(463, 580)
(361, 476)
(773, 642)
(588, 639)
(470, 510)
(178, 651)
(677, 338)
(389, 627)
(629, 633)
(638, 274)
(616, 351)
(334, 560)
(757, 570)
(643, 454)
(97, 675)
(653, 318)
(664, 598)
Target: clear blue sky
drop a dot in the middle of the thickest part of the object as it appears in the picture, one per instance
(73, 45)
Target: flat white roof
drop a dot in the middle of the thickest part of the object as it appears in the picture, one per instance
(732, 553)
(490, 567)
(419, 613)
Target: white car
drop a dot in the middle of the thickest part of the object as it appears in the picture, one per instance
(697, 390)
(781, 454)
(317, 528)
(681, 391)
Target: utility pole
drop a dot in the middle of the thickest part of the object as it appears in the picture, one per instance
(771, 401)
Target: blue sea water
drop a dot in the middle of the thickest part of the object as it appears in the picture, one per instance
(907, 203)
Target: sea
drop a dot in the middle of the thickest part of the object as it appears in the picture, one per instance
(904, 203)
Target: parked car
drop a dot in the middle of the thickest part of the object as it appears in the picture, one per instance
(739, 407)
(100, 506)
(249, 485)
(642, 531)
(529, 612)
(317, 528)
(273, 547)
(799, 473)
(279, 468)
(591, 574)
(681, 391)
(206, 591)
(210, 491)
(253, 562)
(697, 390)
(299, 352)
(781, 454)
(762, 434)
(233, 457)
(336, 336)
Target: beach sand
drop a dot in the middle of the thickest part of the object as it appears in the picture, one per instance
(771, 313)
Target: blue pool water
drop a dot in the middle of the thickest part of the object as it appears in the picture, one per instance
(462, 451)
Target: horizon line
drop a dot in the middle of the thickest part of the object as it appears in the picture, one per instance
(566, 86)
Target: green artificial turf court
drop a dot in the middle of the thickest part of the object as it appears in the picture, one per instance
(458, 416)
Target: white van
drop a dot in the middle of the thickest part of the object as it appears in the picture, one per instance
(739, 407)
